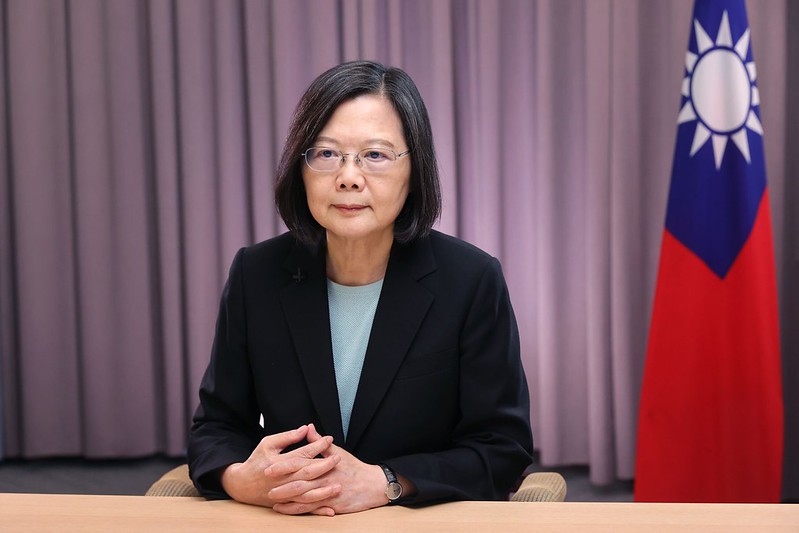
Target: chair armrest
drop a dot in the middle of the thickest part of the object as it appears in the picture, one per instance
(541, 487)
(176, 482)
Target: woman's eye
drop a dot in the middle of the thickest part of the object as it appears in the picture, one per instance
(375, 155)
(325, 154)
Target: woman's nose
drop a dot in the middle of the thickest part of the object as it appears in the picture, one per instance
(350, 175)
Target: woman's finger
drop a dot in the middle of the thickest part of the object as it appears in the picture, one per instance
(275, 443)
(303, 492)
(312, 449)
(301, 467)
(301, 508)
(324, 511)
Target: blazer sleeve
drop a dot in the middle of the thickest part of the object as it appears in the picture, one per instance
(492, 443)
(225, 426)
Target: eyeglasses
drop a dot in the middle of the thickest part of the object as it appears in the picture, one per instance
(372, 160)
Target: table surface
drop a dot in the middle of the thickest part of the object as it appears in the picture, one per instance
(62, 512)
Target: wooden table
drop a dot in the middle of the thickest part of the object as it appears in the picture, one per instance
(57, 512)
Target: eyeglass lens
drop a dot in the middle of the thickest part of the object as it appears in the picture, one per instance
(369, 159)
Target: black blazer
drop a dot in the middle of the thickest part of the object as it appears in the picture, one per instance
(442, 399)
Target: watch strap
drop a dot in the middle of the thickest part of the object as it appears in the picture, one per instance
(391, 477)
(393, 486)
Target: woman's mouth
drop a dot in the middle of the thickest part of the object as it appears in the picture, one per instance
(349, 208)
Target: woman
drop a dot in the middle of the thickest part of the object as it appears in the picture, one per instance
(382, 355)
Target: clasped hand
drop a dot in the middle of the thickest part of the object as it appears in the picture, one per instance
(300, 481)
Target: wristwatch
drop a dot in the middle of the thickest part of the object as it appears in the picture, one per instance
(393, 487)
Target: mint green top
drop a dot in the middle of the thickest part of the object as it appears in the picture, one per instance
(352, 311)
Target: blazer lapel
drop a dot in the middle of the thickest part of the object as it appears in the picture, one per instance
(402, 307)
(305, 307)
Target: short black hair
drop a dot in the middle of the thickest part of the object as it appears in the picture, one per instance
(335, 86)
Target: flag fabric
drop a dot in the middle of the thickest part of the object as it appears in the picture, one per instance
(711, 414)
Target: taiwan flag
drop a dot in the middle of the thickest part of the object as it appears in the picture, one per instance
(711, 415)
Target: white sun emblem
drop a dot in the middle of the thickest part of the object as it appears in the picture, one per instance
(721, 92)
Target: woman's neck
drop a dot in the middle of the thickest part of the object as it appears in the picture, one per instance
(357, 262)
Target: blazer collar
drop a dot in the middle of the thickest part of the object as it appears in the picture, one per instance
(304, 302)
(400, 311)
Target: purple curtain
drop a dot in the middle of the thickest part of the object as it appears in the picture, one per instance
(139, 140)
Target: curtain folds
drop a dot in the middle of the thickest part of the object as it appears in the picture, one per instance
(139, 141)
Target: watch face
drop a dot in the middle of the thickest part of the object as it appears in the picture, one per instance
(393, 491)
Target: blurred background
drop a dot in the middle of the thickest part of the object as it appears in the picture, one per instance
(138, 142)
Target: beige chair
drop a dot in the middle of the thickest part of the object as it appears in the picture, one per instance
(541, 487)
(176, 482)
(536, 487)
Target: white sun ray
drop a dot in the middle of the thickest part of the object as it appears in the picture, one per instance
(703, 42)
(742, 45)
(742, 142)
(724, 38)
(719, 145)
(720, 69)
(700, 137)
(753, 123)
(686, 113)
(750, 68)
(690, 61)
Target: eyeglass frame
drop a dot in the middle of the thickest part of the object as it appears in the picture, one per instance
(343, 156)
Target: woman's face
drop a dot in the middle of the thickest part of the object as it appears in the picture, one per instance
(352, 203)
